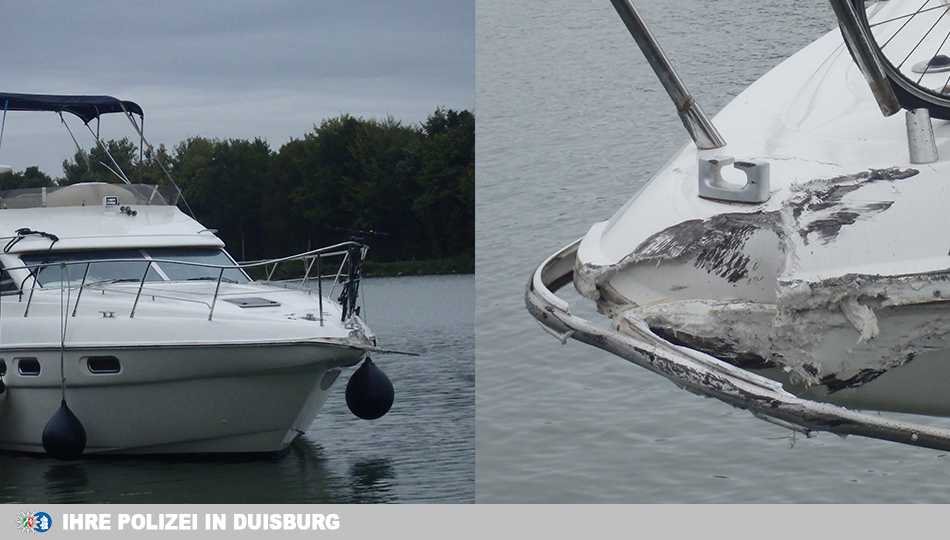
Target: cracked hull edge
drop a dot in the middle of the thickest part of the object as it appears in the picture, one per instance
(821, 351)
(710, 377)
(752, 257)
(819, 209)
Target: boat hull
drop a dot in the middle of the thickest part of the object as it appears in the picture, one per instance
(709, 376)
(820, 353)
(825, 292)
(207, 399)
(836, 285)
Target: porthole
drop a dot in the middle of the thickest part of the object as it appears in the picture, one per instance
(28, 367)
(103, 364)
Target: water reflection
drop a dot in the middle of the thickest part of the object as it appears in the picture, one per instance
(301, 475)
(66, 483)
(372, 481)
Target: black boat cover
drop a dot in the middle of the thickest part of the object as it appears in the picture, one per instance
(85, 107)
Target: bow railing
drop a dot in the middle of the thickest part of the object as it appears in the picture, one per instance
(346, 275)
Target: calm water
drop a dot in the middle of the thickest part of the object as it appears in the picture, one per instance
(421, 451)
(571, 122)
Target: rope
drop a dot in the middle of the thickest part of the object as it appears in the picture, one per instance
(63, 320)
(79, 149)
(23, 233)
(118, 170)
(143, 140)
(3, 124)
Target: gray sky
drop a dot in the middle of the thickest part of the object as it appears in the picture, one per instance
(231, 69)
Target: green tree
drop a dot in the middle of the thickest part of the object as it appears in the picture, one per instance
(223, 183)
(446, 178)
(379, 191)
(414, 183)
(31, 177)
(96, 165)
(285, 222)
(352, 174)
(312, 171)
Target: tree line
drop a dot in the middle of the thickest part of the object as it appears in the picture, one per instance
(413, 184)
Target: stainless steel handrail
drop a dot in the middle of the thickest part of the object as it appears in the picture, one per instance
(311, 258)
(868, 62)
(700, 128)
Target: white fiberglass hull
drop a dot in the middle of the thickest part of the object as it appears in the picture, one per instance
(708, 375)
(169, 380)
(837, 285)
(194, 400)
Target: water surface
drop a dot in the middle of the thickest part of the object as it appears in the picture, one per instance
(571, 123)
(421, 451)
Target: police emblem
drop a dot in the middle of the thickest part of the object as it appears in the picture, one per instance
(30, 522)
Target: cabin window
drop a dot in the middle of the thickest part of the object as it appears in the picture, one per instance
(103, 364)
(186, 272)
(113, 266)
(104, 266)
(7, 285)
(29, 367)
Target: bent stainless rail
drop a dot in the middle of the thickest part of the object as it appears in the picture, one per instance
(705, 375)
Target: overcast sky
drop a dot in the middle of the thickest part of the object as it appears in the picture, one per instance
(234, 69)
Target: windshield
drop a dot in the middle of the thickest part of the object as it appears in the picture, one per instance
(167, 264)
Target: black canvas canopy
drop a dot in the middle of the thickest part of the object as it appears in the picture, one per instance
(85, 107)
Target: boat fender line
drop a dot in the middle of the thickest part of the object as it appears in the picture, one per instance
(369, 392)
(64, 437)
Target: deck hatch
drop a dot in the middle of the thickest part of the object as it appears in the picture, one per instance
(253, 302)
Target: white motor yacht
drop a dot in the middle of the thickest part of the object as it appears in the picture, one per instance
(125, 327)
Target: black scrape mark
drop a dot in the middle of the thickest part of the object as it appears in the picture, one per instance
(714, 347)
(823, 199)
(878, 207)
(863, 377)
(834, 384)
(717, 243)
(828, 228)
(673, 242)
(830, 197)
(726, 258)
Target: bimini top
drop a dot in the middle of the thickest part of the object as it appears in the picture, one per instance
(85, 107)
